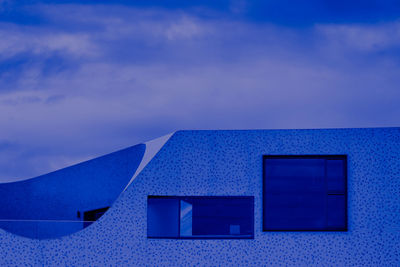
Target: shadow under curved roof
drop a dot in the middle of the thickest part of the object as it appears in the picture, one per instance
(65, 201)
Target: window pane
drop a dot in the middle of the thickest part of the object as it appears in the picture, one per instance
(335, 175)
(186, 218)
(162, 217)
(295, 175)
(219, 216)
(287, 211)
(336, 216)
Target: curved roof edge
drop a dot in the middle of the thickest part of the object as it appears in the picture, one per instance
(152, 148)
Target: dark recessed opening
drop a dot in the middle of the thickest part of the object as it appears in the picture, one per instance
(91, 216)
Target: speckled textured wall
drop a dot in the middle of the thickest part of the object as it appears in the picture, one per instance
(230, 163)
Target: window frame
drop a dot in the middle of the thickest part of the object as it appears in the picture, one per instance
(344, 157)
(202, 197)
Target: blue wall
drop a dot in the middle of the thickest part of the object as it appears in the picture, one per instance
(230, 163)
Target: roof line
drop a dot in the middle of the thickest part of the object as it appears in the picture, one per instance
(152, 148)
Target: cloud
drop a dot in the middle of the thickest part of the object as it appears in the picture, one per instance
(16, 40)
(184, 28)
(366, 38)
(93, 79)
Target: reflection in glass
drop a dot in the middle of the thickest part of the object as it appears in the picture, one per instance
(186, 218)
(162, 217)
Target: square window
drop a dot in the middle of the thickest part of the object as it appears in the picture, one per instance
(200, 217)
(305, 193)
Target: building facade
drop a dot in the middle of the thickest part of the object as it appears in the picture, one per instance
(328, 197)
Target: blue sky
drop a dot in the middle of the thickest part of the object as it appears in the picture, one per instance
(79, 79)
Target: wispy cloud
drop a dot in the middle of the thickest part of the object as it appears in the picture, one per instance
(366, 38)
(93, 79)
(15, 40)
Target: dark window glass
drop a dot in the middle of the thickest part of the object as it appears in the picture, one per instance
(162, 217)
(200, 217)
(304, 193)
(91, 216)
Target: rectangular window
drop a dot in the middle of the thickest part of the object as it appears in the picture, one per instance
(200, 217)
(305, 193)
